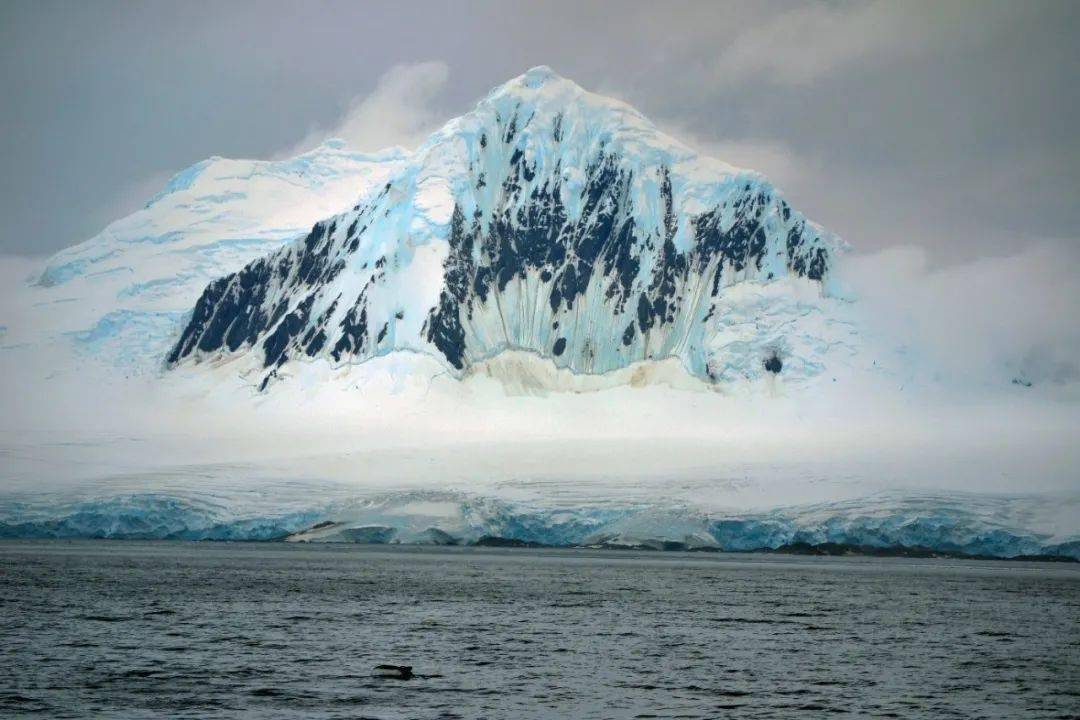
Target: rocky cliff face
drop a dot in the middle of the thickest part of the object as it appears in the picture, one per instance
(548, 220)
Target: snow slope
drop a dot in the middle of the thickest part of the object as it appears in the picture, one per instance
(119, 297)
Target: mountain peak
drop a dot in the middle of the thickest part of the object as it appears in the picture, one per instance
(550, 220)
(539, 79)
(548, 104)
(546, 90)
(538, 76)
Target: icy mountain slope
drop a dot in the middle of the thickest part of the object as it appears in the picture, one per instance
(119, 297)
(549, 220)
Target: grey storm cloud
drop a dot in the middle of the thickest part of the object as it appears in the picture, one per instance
(945, 125)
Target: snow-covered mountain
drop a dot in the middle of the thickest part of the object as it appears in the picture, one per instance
(551, 322)
(548, 220)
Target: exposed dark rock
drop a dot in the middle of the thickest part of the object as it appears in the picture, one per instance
(528, 236)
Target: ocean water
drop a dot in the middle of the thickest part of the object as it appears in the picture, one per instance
(191, 630)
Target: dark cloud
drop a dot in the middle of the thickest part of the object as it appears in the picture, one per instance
(949, 125)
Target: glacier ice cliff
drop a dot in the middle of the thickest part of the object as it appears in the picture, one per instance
(958, 524)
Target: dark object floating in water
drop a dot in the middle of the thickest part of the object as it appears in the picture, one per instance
(774, 364)
(399, 672)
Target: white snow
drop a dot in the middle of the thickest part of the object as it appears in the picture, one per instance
(118, 298)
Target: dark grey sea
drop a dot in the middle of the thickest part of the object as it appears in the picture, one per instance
(196, 630)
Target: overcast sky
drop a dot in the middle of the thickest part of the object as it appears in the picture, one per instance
(951, 125)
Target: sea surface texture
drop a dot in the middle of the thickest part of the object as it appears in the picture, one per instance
(191, 630)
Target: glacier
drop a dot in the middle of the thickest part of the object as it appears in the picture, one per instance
(956, 524)
(548, 220)
(551, 323)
